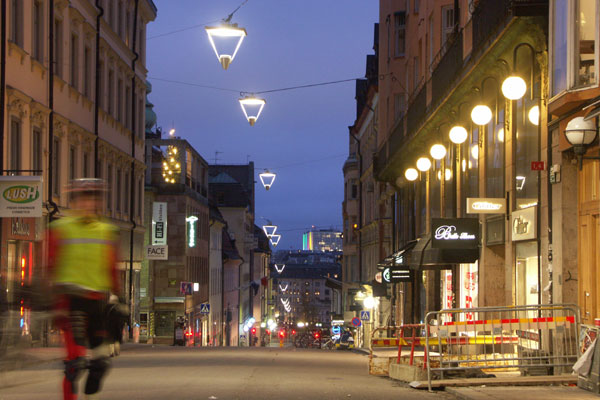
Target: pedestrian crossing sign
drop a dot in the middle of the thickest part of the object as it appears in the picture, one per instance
(205, 308)
(365, 315)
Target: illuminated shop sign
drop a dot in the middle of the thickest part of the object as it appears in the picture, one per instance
(397, 274)
(524, 224)
(486, 205)
(21, 196)
(191, 230)
(159, 223)
(455, 233)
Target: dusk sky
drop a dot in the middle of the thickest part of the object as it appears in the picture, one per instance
(302, 135)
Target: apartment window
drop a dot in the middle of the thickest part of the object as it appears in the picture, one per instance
(87, 72)
(72, 163)
(586, 34)
(15, 145)
(447, 23)
(120, 24)
(399, 105)
(58, 48)
(56, 167)
(109, 192)
(141, 113)
(36, 150)
(119, 189)
(416, 69)
(400, 33)
(111, 93)
(416, 6)
(354, 191)
(37, 39)
(16, 22)
(111, 13)
(126, 182)
(101, 85)
(128, 108)
(431, 42)
(86, 165)
(140, 198)
(74, 60)
(119, 113)
(127, 28)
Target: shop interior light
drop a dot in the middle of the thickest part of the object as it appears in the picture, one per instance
(423, 164)
(481, 114)
(458, 134)
(411, 174)
(267, 178)
(438, 151)
(534, 115)
(252, 107)
(226, 41)
(514, 87)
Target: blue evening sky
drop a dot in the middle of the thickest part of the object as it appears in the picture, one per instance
(302, 135)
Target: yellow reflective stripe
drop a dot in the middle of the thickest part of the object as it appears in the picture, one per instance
(86, 241)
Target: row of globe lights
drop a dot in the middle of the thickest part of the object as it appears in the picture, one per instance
(513, 88)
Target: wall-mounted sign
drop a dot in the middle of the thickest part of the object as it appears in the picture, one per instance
(159, 223)
(524, 224)
(191, 230)
(397, 274)
(157, 252)
(486, 205)
(537, 166)
(454, 233)
(186, 287)
(20, 196)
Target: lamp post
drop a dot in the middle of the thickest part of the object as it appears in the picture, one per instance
(581, 133)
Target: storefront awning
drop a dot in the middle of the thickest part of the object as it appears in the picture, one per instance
(397, 258)
(423, 256)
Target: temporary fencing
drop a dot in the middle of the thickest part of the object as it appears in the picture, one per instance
(535, 339)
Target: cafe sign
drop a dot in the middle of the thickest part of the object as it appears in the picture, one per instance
(20, 196)
(524, 224)
(486, 205)
(454, 233)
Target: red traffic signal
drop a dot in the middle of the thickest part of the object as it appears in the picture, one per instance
(281, 333)
(317, 335)
(253, 331)
(268, 332)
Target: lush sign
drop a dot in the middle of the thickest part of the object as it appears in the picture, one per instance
(455, 233)
(21, 196)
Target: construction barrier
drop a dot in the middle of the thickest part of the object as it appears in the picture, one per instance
(534, 339)
(397, 341)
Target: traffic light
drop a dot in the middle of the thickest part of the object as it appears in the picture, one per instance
(282, 333)
(317, 335)
(268, 332)
(293, 332)
(253, 330)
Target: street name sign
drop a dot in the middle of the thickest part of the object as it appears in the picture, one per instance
(157, 252)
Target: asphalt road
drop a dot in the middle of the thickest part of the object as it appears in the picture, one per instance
(161, 372)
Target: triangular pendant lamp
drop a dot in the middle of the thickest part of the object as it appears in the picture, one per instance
(252, 107)
(269, 230)
(275, 240)
(225, 40)
(267, 178)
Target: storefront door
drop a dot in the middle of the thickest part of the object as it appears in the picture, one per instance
(527, 273)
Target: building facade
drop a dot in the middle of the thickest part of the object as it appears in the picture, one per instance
(322, 240)
(72, 107)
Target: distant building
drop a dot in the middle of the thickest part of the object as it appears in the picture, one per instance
(322, 240)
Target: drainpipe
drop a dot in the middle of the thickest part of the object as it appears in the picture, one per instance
(2, 80)
(51, 65)
(132, 173)
(360, 162)
(97, 91)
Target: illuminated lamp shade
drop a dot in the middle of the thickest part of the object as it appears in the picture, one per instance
(275, 240)
(252, 107)
(267, 178)
(458, 134)
(423, 164)
(501, 135)
(534, 115)
(481, 115)
(411, 174)
(226, 41)
(514, 87)
(269, 230)
(437, 151)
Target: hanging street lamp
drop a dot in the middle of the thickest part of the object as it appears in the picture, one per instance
(481, 114)
(438, 151)
(411, 174)
(274, 239)
(252, 107)
(458, 134)
(226, 40)
(269, 230)
(423, 164)
(514, 87)
(267, 178)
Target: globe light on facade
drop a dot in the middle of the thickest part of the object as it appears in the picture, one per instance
(370, 302)
(437, 151)
(423, 164)
(580, 133)
(481, 114)
(411, 174)
(514, 87)
(267, 178)
(458, 134)
(534, 115)
(226, 41)
(501, 135)
(252, 107)
(475, 152)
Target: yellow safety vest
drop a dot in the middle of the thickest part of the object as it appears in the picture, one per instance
(84, 252)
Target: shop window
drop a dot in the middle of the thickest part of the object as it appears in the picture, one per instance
(527, 277)
(527, 150)
(494, 157)
(469, 168)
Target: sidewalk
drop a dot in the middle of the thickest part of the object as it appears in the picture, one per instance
(520, 392)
